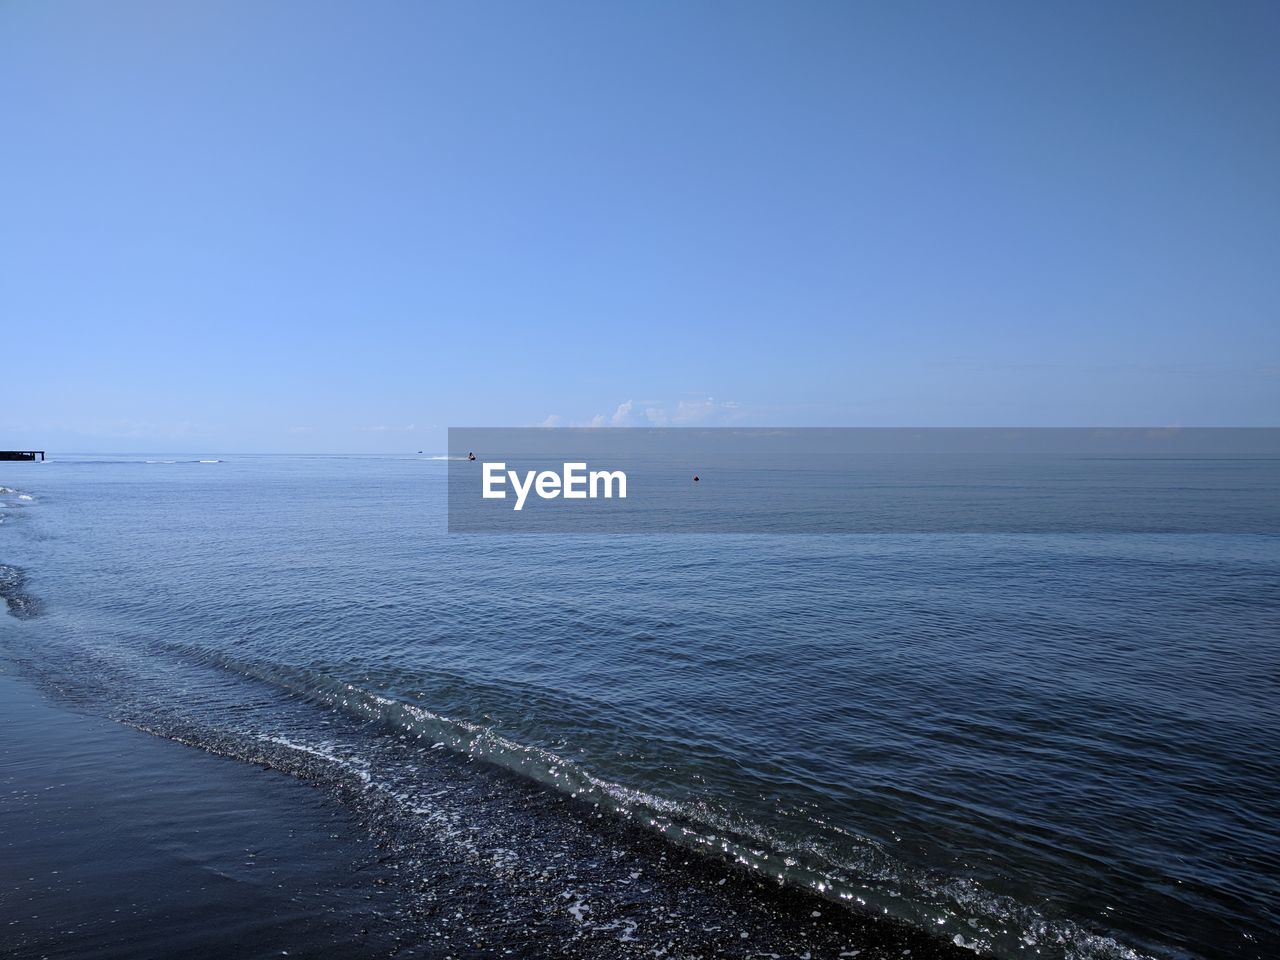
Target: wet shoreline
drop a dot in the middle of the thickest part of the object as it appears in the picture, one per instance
(348, 874)
(116, 844)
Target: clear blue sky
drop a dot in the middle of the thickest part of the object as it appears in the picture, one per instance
(301, 226)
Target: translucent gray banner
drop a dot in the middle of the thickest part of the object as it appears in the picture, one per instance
(822, 481)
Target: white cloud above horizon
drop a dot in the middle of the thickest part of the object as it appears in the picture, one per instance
(706, 411)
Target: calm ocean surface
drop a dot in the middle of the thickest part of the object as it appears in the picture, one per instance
(1038, 745)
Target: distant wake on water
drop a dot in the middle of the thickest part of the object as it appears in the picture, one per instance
(117, 461)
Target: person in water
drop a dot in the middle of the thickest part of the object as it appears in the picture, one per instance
(471, 456)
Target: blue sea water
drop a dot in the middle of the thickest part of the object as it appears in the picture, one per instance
(1056, 745)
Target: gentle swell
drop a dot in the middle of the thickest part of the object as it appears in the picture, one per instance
(872, 880)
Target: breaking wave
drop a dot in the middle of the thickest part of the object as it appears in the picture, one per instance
(868, 880)
(13, 583)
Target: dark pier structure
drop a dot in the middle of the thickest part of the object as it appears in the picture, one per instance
(21, 454)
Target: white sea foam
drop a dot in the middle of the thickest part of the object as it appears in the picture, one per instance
(702, 827)
(353, 765)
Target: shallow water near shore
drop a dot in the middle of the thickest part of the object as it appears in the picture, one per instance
(1055, 745)
(115, 844)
